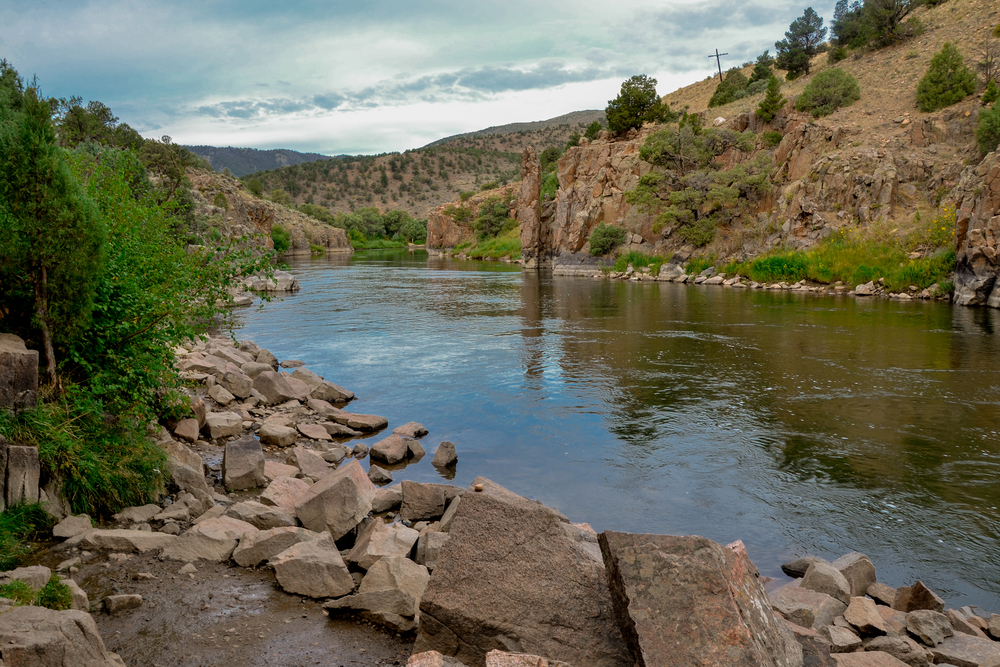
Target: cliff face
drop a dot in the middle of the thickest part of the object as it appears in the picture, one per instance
(824, 178)
(977, 234)
(444, 231)
(247, 215)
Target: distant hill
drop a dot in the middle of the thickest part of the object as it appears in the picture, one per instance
(573, 118)
(243, 161)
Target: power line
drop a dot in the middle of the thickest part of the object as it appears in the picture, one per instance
(718, 61)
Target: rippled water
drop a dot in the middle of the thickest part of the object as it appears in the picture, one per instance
(795, 422)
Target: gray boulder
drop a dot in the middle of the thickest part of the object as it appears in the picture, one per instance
(789, 601)
(72, 526)
(274, 387)
(35, 576)
(822, 577)
(223, 424)
(284, 492)
(255, 548)
(429, 546)
(379, 476)
(445, 455)
(211, 540)
(221, 395)
(410, 430)
(930, 627)
(314, 569)
(379, 540)
(392, 450)
(858, 570)
(426, 501)
(243, 464)
(389, 594)
(40, 637)
(965, 651)
(261, 516)
(485, 592)
(309, 462)
(338, 502)
(18, 374)
(359, 422)
(917, 596)
(127, 541)
(901, 648)
(388, 498)
(238, 383)
(277, 435)
(20, 470)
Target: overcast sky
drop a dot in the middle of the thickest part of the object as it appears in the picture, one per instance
(334, 77)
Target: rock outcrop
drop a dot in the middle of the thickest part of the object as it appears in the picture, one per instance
(977, 234)
(18, 374)
(446, 231)
(39, 637)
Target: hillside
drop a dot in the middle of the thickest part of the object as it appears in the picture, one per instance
(242, 161)
(418, 181)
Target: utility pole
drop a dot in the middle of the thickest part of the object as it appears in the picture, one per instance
(718, 61)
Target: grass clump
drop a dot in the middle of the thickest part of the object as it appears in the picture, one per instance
(828, 91)
(18, 525)
(505, 244)
(638, 261)
(55, 595)
(18, 591)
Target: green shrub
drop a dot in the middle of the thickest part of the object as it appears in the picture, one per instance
(756, 88)
(465, 194)
(730, 89)
(639, 260)
(55, 595)
(789, 267)
(947, 81)
(592, 130)
(413, 231)
(836, 54)
(494, 217)
(771, 138)
(828, 91)
(316, 249)
(20, 592)
(992, 93)
(281, 237)
(637, 103)
(700, 233)
(489, 186)
(762, 68)
(255, 187)
(574, 140)
(221, 201)
(550, 184)
(772, 102)
(988, 129)
(605, 238)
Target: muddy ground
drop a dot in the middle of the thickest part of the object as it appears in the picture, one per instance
(223, 615)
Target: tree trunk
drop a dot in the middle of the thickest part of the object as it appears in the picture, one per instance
(42, 310)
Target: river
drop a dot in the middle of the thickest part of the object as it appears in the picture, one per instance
(798, 423)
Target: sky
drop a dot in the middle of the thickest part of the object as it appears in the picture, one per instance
(375, 76)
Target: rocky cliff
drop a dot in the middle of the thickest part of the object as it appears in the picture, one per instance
(825, 178)
(245, 214)
(446, 230)
(977, 234)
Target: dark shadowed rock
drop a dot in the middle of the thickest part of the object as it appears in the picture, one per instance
(814, 647)
(379, 476)
(243, 464)
(797, 568)
(917, 596)
(18, 374)
(882, 594)
(486, 594)
(689, 601)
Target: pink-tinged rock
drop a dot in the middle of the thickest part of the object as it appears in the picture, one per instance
(261, 516)
(392, 450)
(958, 621)
(884, 595)
(127, 541)
(273, 470)
(300, 390)
(212, 540)
(314, 432)
(895, 621)
(314, 569)
(359, 422)
(285, 492)
(863, 615)
(410, 430)
(309, 462)
(430, 659)
(274, 434)
(337, 502)
(688, 601)
(378, 540)
(187, 429)
(497, 658)
(868, 659)
(965, 651)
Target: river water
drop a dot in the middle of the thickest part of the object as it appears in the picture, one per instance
(800, 424)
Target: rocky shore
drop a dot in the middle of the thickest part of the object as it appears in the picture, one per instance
(266, 488)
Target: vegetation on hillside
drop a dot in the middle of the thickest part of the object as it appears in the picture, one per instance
(828, 91)
(948, 80)
(637, 103)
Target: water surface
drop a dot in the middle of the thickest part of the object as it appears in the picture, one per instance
(797, 423)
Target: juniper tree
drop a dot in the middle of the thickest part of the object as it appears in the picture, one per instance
(637, 103)
(947, 81)
(802, 40)
(772, 102)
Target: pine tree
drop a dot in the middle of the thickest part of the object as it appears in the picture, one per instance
(53, 234)
(762, 68)
(772, 102)
(947, 81)
(802, 40)
(637, 103)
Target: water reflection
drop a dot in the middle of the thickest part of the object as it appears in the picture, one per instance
(794, 422)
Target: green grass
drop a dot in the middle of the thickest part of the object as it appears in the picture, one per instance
(696, 265)
(18, 525)
(53, 595)
(506, 244)
(105, 463)
(376, 243)
(18, 591)
(639, 260)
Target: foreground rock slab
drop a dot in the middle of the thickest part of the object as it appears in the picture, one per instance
(213, 540)
(389, 594)
(485, 595)
(255, 548)
(689, 601)
(243, 464)
(39, 637)
(128, 541)
(314, 569)
(338, 502)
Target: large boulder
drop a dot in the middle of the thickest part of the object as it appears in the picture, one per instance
(255, 548)
(309, 462)
(40, 637)
(128, 541)
(426, 501)
(274, 387)
(392, 450)
(379, 540)
(277, 434)
(284, 492)
(930, 627)
(212, 540)
(320, 389)
(338, 502)
(863, 614)
(917, 596)
(359, 422)
(389, 594)
(858, 570)
(243, 464)
(238, 383)
(18, 374)
(314, 569)
(261, 516)
(805, 607)
(965, 651)
(486, 592)
(410, 430)
(223, 424)
(823, 577)
(20, 470)
(689, 601)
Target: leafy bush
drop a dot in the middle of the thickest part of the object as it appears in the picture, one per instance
(771, 138)
(774, 268)
(947, 81)
(255, 187)
(574, 140)
(836, 54)
(605, 238)
(988, 129)
(828, 91)
(762, 68)
(281, 237)
(637, 103)
(550, 184)
(755, 88)
(772, 102)
(592, 130)
(730, 89)
(221, 201)
(549, 158)
(494, 217)
(55, 595)
(413, 231)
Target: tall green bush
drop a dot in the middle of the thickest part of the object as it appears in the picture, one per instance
(772, 102)
(732, 88)
(281, 238)
(947, 81)
(605, 238)
(637, 103)
(828, 91)
(988, 129)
